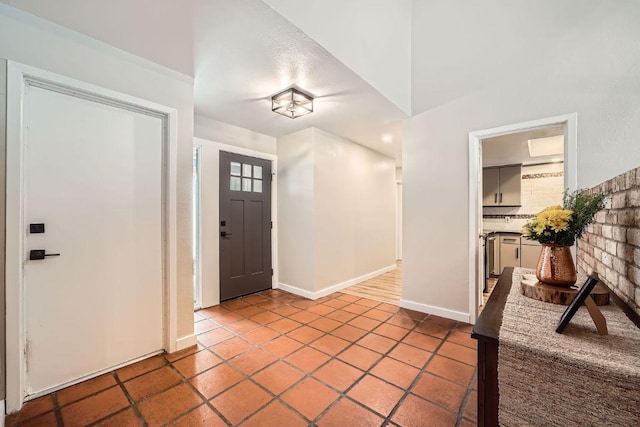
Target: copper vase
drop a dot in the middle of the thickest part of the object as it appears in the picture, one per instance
(556, 267)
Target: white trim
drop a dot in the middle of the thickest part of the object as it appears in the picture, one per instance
(198, 197)
(215, 258)
(90, 376)
(17, 77)
(297, 291)
(399, 215)
(570, 122)
(438, 311)
(186, 341)
(2, 412)
(334, 288)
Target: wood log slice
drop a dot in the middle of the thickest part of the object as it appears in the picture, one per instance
(559, 295)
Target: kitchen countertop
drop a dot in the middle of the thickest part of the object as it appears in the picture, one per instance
(494, 230)
(498, 228)
(493, 226)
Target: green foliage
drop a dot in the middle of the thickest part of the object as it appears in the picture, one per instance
(550, 226)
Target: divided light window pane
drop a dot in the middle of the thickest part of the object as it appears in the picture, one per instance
(246, 170)
(257, 186)
(234, 184)
(235, 168)
(257, 172)
(246, 184)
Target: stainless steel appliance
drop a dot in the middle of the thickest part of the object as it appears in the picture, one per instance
(489, 257)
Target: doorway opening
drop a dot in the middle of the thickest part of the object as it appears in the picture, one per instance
(515, 172)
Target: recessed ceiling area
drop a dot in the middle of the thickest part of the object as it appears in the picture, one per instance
(245, 52)
(240, 53)
(514, 148)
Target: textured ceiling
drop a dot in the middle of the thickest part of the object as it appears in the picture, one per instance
(373, 38)
(513, 148)
(240, 53)
(240, 66)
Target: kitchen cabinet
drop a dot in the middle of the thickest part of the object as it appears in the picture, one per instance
(530, 253)
(501, 186)
(517, 252)
(509, 251)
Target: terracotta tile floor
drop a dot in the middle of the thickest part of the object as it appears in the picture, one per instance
(276, 359)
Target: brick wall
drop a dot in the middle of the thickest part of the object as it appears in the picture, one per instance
(611, 245)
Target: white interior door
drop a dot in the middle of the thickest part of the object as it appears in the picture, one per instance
(93, 177)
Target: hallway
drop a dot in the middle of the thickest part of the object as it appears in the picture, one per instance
(384, 288)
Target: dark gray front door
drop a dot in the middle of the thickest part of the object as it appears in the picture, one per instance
(245, 225)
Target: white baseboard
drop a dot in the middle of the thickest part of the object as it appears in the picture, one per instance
(297, 291)
(184, 342)
(438, 311)
(334, 288)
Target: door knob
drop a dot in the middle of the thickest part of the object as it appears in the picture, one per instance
(37, 254)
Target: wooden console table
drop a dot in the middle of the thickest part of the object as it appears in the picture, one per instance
(487, 332)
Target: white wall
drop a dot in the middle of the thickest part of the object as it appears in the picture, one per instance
(224, 133)
(354, 210)
(336, 211)
(598, 79)
(33, 41)
(137, 22)
(295, 180)
(371, 37)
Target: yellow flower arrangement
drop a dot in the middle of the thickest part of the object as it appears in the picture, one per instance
(561, 225)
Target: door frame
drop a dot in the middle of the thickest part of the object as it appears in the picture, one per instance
(19, 76)
(476, 262)
(197, 224)
(399, 215)
(210, 208)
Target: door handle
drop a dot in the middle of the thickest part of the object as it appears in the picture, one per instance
(224, 234)
(38, 254)
(500, 197)
(517, 253)
(495, 198)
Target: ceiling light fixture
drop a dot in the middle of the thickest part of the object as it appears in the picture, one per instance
(387, 139)
(292, 103)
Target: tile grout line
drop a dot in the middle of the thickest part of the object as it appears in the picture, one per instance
(334, 357)
(465, 400)
(132, 403)
(56, 409)
(205, 401)
(407, 390)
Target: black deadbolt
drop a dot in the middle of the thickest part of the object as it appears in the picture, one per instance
(36, 228)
